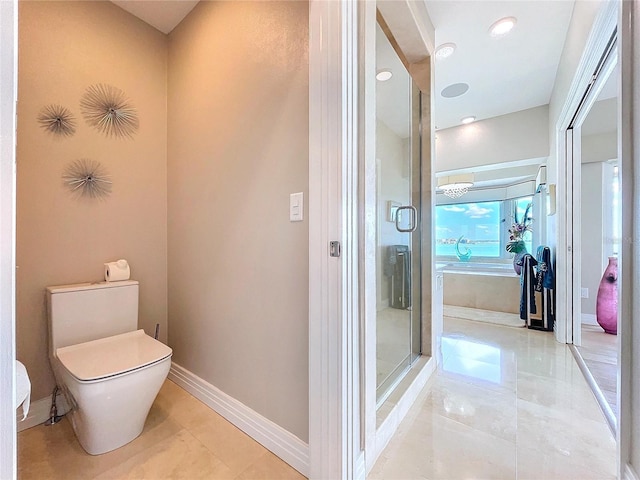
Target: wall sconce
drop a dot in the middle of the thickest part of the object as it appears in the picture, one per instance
(454, 186)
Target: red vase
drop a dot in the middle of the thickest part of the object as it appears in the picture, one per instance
(607, 301)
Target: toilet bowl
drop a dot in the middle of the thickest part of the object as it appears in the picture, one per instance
(109, 373)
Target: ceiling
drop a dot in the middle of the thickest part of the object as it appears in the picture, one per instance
(507, 74)
(164, 15)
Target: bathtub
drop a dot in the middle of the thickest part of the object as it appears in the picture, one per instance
(476, 268)
(487, 286)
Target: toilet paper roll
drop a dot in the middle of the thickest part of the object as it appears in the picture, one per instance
(117, 271)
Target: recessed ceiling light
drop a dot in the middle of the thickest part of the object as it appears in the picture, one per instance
(470, 119)
(445, 50)
(384, 75)
(455, 90)
(502, 27)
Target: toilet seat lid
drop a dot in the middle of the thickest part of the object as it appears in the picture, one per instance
(111, 356)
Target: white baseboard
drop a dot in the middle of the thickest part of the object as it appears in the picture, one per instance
(588, 319)
(629, 473)
(39, 412)
(272, 436)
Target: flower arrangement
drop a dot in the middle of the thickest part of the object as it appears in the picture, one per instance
(516, 232)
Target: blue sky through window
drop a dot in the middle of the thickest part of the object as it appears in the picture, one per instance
(481, 226)
(478, 223)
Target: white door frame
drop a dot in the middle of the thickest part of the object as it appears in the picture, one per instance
(603, 27)
(629, 300)
(628, 421)
(409, 24)
(8, 98)
(342, 133)
(574, 194)
(335, 449)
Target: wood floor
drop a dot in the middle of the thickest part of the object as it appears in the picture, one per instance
(599, 351)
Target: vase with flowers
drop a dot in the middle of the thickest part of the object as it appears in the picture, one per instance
(516, 244)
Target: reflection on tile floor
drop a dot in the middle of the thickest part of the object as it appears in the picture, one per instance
(182, 438)
(506, 403)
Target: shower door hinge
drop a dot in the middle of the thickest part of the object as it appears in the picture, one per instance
(334, 249)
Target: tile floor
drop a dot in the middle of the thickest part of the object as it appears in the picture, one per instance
(506, 403)
(182, 438)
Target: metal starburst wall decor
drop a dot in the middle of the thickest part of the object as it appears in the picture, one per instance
(108, 110)
(57, 120)
(87, 178)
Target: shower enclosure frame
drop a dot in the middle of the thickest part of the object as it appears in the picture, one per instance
(416, 53)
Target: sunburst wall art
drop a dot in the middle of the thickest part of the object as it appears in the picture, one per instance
(57, 120)
(108, 110)
(87, 178)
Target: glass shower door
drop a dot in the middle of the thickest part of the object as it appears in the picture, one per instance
(398, 200)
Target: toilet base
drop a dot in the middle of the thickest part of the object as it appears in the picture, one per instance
(109, 413)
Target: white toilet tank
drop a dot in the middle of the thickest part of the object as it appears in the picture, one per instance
(89, 311)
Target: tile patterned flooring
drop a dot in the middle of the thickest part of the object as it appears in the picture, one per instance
(506, 403)
(182, 438)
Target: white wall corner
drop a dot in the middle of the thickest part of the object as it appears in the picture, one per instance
(281, 442)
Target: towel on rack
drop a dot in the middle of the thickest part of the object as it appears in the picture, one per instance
(544, 270)
(527, 286)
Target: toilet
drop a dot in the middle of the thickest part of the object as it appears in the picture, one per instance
(109, 371)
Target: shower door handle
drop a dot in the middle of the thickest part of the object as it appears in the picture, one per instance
(414, 219)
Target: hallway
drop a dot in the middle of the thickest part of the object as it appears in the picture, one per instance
(506, 403)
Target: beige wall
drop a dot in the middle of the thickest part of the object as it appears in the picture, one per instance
(64, 48)
(593, 210)
(238, 146)
(515, 136)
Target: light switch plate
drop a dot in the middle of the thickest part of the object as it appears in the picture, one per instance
(296, 207)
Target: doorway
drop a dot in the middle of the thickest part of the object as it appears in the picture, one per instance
(596, 211)
(398, 233)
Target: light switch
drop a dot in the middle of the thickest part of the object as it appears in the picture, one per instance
(296, 207)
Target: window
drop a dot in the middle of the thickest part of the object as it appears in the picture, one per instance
(521, 205)
(480, 227)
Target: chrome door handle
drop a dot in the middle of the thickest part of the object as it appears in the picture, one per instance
(414, 219)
